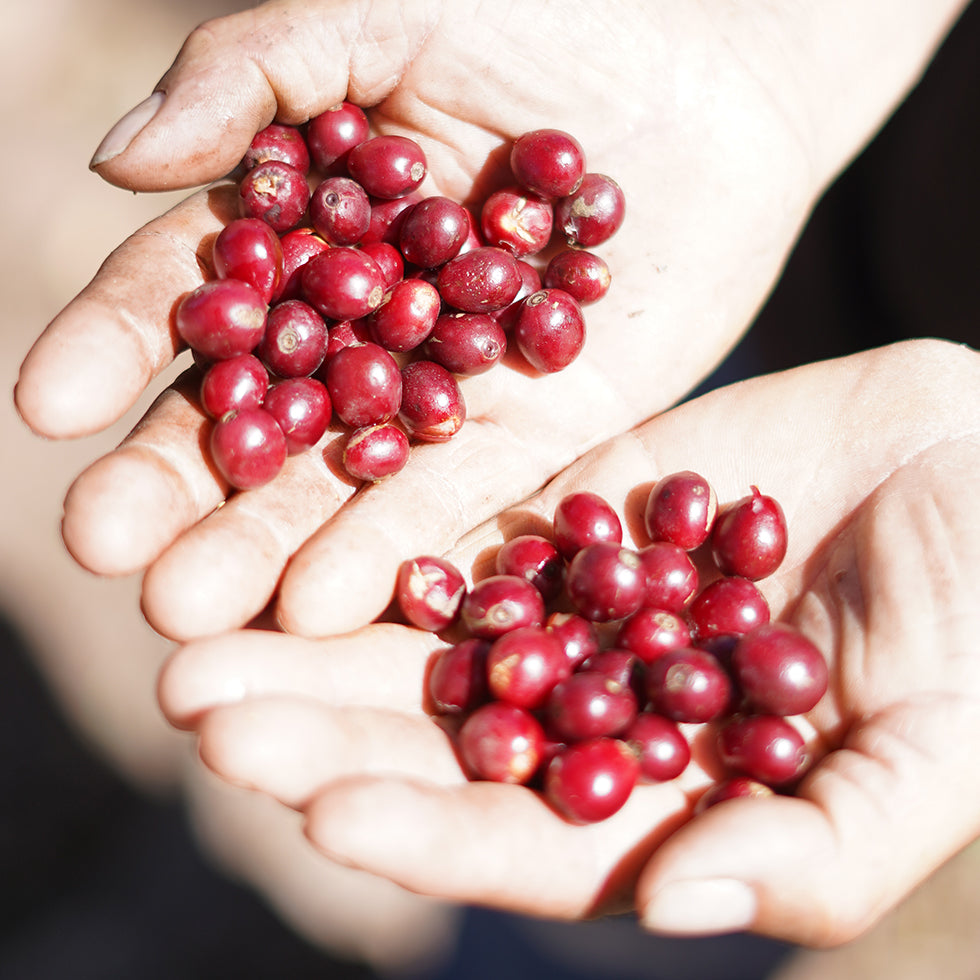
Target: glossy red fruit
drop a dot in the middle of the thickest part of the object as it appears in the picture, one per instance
(517, 220)
(660, 746)
(530, 283)
(365, 385)
(779, 670)
(620, 666)
(466, 343)
(550, 330)
(429, 591)
(332, 134)
(749, 537)
(650, 633)
(388, 259)
(593, 213)
(340, 211)
(549, 162)
(374, 452)
(480, 281)
(432, 407)
(763, 747)
(278, 142)
(457, 682)
(387, 166)
(583, 518)
(672, 577)
(222, 318)
(233, 384)
(681, 508)
(577, 635)
(299, 245)
(583, 275)
(406, 315)
(302, 408)
(346, 333)
(590, 781)
(605, 582)
(248, 448)
(433, 232)
(387, 218)
(499, 604)
(343, 283)
(688, 685)
(588, 704)
(524, 665)
(501, 742)
(295, 339)
(729, 605)
(535, 558)
(250, 250)
(734, 788)
(275, 192)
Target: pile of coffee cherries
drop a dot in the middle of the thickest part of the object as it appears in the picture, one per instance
(581, 665)
(349, 297)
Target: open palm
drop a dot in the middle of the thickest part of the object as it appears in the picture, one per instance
(701, 116)
(880, 573)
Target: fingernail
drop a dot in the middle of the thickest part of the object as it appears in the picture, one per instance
(125, 131)
(701, 908)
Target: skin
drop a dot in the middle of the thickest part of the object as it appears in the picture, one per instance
(883, 535)
(752, 87)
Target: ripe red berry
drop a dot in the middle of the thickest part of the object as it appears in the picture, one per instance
(591, 780)
(275, 192)
(763, 747)
(222, 318)
(550, 330)
(387, 166)
(332, 134)
(779, 670)
(249, 249)
(499, 604)
(681, 508)
(429, 591)
(302, 408)
(501, 742)
(524, 665)
(688, 685)
(729, 605)
(548, 162)
(582, 518)
(248, 448)
(374, 452)
(660, 745)
(749, 537)
(605, 581)
(458, 679)
(432, 407)
(593, 213)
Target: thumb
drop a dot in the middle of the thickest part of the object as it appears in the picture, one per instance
(286, 60)
(872, 821)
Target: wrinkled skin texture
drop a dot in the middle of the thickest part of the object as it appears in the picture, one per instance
(884, 536)
(722, 125)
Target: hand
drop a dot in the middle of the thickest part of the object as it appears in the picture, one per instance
(875, 460)
(722, 132)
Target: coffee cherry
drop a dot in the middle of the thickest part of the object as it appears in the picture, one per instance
(660, 746)
(733, 788)
(249, 249)
(340, 211)
(605, 581)
(650, 633)
(433, 231)
(749, 537)
(583, 518)
(233, 384)
(365, 385)
(501, 742)
(342, 283)
(278, 142)
(429, 591)
(302, 408)
(671, 576)
(548, 162)
(524, 665)
(387, 166)
(729, 605)
(222, 318)
(593, 213)
(295, 339)
(275, 192)
(432, 407)
(332, 134)
(681, 508)
(535, 558)
(374, 452)
(248, 448)
(499, 604)
(688, 685)
(779, 670)
(514, 219)
(480, 281)
(458, 679)
(588, 704)
(766, 748)
(550, 330)
(591, 780)
(583, 275)
(577, 635)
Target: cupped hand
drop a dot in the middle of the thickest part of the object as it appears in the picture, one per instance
(875, 459)
(721, 127)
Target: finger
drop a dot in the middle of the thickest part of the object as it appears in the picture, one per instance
(98, 355)
(286, 61)
(128, 506)
(289, 747)
(492, 843)
(223, 571)
(381, 664)
(870, 823)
